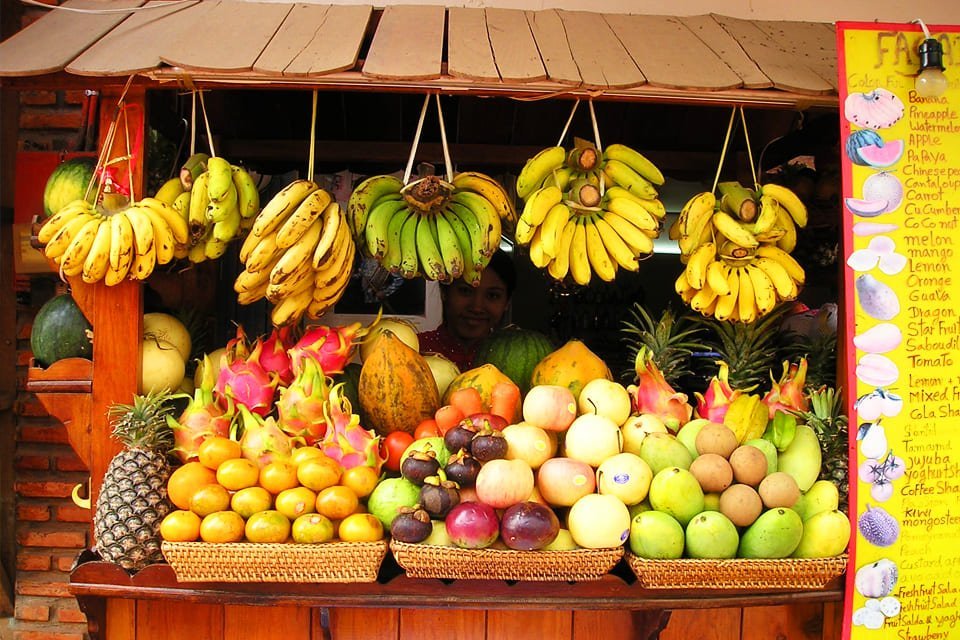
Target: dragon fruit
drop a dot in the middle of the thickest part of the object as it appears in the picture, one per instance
(331, 347)
(346, 441)
(301, 404)
(203, 417)
(787, 394)
(243, 380)
(653, 394)
(271, 353)
(716, 400)
(261, 439)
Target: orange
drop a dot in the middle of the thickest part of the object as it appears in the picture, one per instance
(249, 501)
(311, 528)
(180, 526)
(319, 473)
(216, 449)
(295, 502)
(302, 454)
(278, 475)
(362, 479)
(186, 480)
(238, 473)
(267, 526)
(361, 527)
(222, 526)
(209, 499)
(337, 502)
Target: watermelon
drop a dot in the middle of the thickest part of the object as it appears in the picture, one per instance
(860, 139)
(68, 182)
(882, 156)
(515, 352)
(60, 331)
(866, 208)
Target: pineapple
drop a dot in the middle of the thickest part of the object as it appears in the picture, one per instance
(133, 496)
(826, 416)
(672, 340)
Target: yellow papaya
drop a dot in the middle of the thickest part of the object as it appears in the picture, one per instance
(573, 365)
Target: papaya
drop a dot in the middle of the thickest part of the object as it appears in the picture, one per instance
(482, 378)
(573, 365)
(396, 388)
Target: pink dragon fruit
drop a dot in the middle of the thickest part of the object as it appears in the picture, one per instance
(331, 347)
(271, 353)
(718, 397)
(243, 380)
(261, 439)
(203, 417)
(787, 394)
(653, 394)
(300, 408)
(346, 441)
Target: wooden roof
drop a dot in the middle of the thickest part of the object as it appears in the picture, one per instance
(495, 51)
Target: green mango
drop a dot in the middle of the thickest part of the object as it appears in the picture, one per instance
(775, 534)
(824, 535)
(711, 535)
(822, 496)
(803, 458)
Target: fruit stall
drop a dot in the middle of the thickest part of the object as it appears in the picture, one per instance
(286, 462)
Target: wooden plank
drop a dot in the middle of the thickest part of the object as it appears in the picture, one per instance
(715, 624)
(225, 36)
(359, 624)
(795, 621)
(265, 623)
(514, 48)
(121, 619)
(602, 60)
(134, 45)
(521, 625)
(468, 45)
(441, 624)
(727, 49)
(408, 44)
(316, 40)
(670, 55)
(618, 624)
(165, 619)
(50, 43)
(832, 620)
(815, 43)
(548, 31)
(780, 66)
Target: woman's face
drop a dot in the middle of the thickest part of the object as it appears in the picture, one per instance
(471, 313)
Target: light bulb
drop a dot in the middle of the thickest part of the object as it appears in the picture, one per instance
(931, 82)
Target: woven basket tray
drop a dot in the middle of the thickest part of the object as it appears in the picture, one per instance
(799, 573)
(430, 561)
(287, 562)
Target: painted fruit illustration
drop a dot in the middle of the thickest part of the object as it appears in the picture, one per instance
(883, 185)
(877, 299)
(877, 109)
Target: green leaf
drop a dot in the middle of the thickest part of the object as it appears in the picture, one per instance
(781, 430)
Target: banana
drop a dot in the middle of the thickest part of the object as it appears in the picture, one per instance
(786, 260)
(654, 206)
(337, 262)
(694, 218)
(250, 242)
(788, 200)
(635, 160)
(57, 221)
(600, 261)
(163, 239)
(253, 295)
(197, 216)
(193, 168)
(365, 196)
(331, 221)
(727, 303)
(788, 241)
(704, 300)
(635, 213)
(488, 218)
(169, 191)
(767, 217)
(746, 297)
(538, 258)
(475, 232)
(392, 255)
(323, 298)
(281, 206)
(223, 209)
(682, 287)
(57, 245)
(301, 252)
(248, 196)
(785, 286)
(639, 242)
(219, 179)
(560, 265)
(198, 252)
(619, 251)
(247, 281)
(559, 177)
(490, 189)
(264, 253)
(302, 218)
(169, 216)
(535, 211)
(552, 228)
(729, 227)
(700, 259)
(579, 261)
(463, 237)
(763, 289)
(291, 308)
(717, 277)
(537, 168)
(72, 259)
(121, 244)
(622, 175)
(431, 262)
(227, 229)
(296, 282)
(378, 222)
(97, 262)
(214, 247)
(144, 243)
(182, 206)
(409, 259)
(450, 249)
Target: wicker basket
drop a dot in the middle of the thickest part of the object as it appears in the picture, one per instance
(799, 573)
(430, 561)
(287, 562)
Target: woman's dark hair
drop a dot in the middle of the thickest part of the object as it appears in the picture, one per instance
(502, 265)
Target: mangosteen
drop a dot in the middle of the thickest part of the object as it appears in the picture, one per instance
(462, 468)
(419, 465)
(459, 436)
(439, 496)
(411, 524)
(488, 444)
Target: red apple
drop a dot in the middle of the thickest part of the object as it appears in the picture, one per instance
(563, 481)
(502, 483)
(472, 525)
(550, 407)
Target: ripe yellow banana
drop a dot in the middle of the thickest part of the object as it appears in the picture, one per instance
(535, 211)
(197, 216)
(698, 263)
(145, 253)
(733, 230)
(788, 200)
(219, 179)
(182, 206)
(600, 261)
(552, 228)
(169, 216)
(704, 300)
(682, 286)
(717, 277)
(303, 217)
(71, 262)
(248, 197)
(61, 240)
(763, 290)
(291, 308)
(786, 260)
(619, 251)
(560, 177)
(367, 194)
(300, 253)
(635, 213)
(331, 220)
(57, 221)
(579, 261)
(281, 206)
(635, 160)
(121, 244)
(339, 257)
(538, 258)
(253, 295)
(788, 241)
(169, 191)
(264, 253)
(746, 298)
(163, 238)
(767, 217)
(727, 303)
(537, 168)
(784, 284)
(248, 281)
(293, 284)
(654, 206)
(98, 258)
(622, 175)
(694, 217)
(490, 189)
(639, 242)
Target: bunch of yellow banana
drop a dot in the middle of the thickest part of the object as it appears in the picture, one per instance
(737, 251)
(218, 201)
(112, 247)
(298, 254)
(431, 228)
(588, 213)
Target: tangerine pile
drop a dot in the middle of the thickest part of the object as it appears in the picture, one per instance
(307, 498)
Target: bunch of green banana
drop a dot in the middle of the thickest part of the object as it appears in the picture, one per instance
(431, 228)
(589, 213)
(128, 243)
(298, 254)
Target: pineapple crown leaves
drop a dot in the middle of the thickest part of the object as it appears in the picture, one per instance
(143, 424)
(826, 414)
(671, 340)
